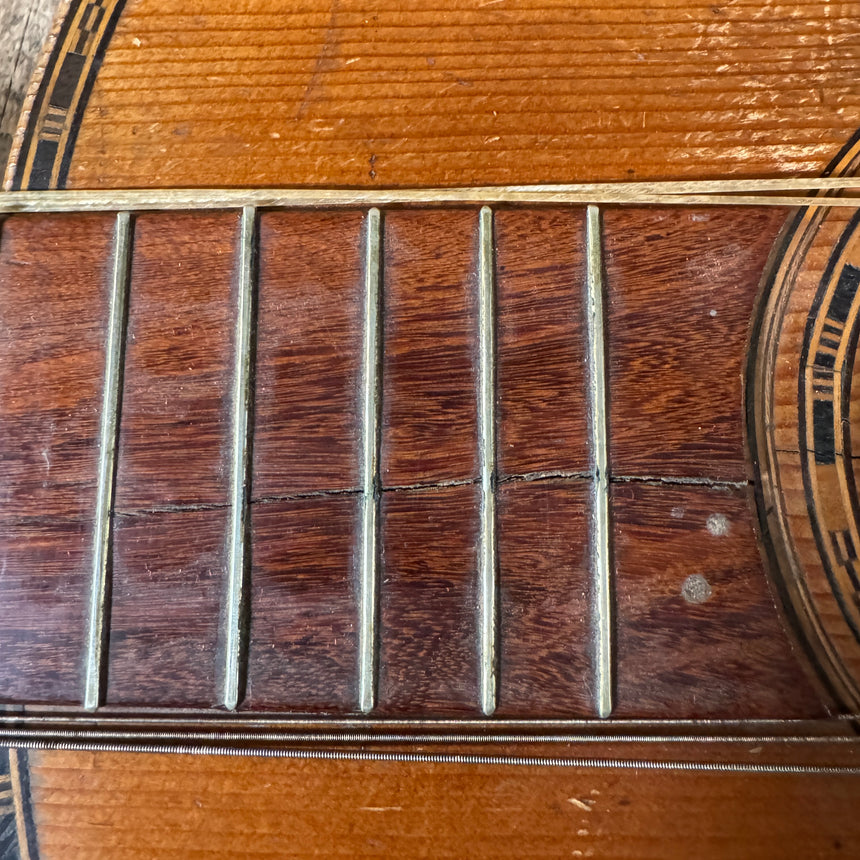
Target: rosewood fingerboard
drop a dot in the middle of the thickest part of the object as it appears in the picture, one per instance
(411, 463)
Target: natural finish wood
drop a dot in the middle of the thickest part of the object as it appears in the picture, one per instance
(24, 25)
(43, 607)
(50, 373)
(542, 423)
(804, 409)
(303, 643)
(168, 580)
(169, 568)
(545, 660)
(434, 93)
(175, 430)
(428, 655)
(308, 353)
(678, 330)
(347, 95)
(429, 406)
(706, 648)
(51, 369)
(120, 807)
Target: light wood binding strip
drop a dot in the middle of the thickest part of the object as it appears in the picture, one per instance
(234, 670)
(741, 192)
(371, 405)
(600, 537)
(96, 653)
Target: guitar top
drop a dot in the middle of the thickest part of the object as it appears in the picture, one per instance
(370, 426)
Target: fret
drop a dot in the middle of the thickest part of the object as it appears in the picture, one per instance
(369, 553)
(96, 659)
(601, 548)
(235, 625)
(488, 562)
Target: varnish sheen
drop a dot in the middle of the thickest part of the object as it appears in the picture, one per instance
(705, 626)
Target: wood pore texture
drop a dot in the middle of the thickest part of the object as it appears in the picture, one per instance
(24, 26)
(50, 371)
(435, 92)
(149, 807)
(670, 418)
(431, 93)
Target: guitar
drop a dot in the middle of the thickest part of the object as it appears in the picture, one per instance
(369, 437)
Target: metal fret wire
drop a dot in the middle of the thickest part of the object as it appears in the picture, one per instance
(487, 456)
(370, 466)
(96, 642)
(239, 466)
(600, 446)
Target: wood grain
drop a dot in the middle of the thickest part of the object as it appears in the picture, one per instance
(53, 305)
(437, 94)
(710, 647)
(103, 806)
(168, 587)
(309, 340)
(681, 289)
(303, 652)
(545, 632)
(541, 404)
(43, 606)
(175, 427)
(429, 366)
(428, 617)
(346, 93)
(24, 26)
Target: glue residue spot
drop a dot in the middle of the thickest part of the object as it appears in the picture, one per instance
(696, 589)
(718, 525)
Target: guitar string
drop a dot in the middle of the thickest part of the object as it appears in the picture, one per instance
(459, 758)
(391, 738)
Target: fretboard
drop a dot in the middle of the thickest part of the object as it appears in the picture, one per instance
(416, 463)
